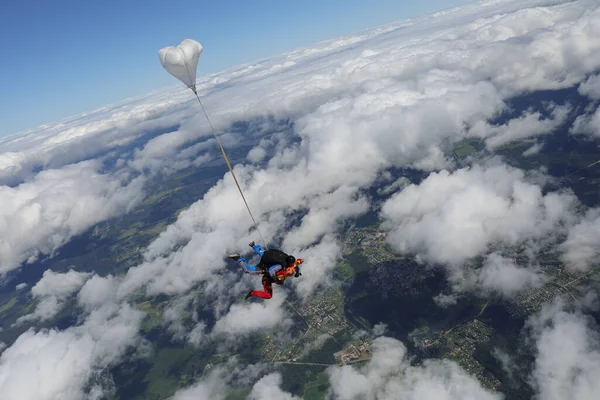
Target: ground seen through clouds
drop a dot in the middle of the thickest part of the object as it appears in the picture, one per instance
(438, 175)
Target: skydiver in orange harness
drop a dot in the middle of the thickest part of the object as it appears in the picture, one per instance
(275, 266)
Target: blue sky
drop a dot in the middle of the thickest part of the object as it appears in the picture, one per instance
(61, 57)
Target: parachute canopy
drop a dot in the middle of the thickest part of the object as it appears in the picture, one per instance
(182, 61)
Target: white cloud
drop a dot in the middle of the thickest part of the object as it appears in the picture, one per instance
(315, 345)
(251, 317)
(58, 284)
(389, 375)
(590, 87)
(530, 124)
(388, 96)
(268, 388)
(61, 363)
(52, 291)
(85, 136)
(568, 359)
(451, 217)
(567, 364)
(534, 149)
(319, 261)
(218, 225)
(212, 387)
(550, 60)
(502, 275)
(392, 96)
(445, 300)
(394, 99)
(582, 246)
(257, 154)
(161, 154)
(590, 300)
(216, 384)
(587, 124)
(393, 187)
(505, 359)
(38, 217)
(379, 329)
(96, 292)
(323, 215)
(174, 315)
(20, 286)
(197, 334)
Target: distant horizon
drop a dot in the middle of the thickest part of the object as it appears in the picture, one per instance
(32, 103)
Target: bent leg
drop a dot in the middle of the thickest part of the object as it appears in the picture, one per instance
(258, 249)
(267, 293)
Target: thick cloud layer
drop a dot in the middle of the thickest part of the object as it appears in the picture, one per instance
(568, 355)
(39, 216)
(268, 388)
(591, 87)
(394, 98)
(96, 292)
(451, 217)
(389, 96)
(582, 247)
(501, 275)
(85, 136)
(398, 95)
(588, 124)
(255, 317)
(52, 291)
(530, 124)
(52, 364)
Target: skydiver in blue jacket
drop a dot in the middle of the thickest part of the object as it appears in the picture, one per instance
(275, 266)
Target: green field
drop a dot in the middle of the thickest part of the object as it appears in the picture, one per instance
(464, 148)
(8, 305)
(343, 270)
(317, 389)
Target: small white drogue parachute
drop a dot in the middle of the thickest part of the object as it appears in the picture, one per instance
(182, 61)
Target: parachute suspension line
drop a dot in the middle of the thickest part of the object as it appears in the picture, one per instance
(230, 168)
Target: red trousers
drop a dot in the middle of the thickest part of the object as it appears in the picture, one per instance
(267, 293)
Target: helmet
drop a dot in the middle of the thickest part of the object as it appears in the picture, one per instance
(290, 260)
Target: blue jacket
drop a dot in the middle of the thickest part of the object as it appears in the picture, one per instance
(253, 269)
